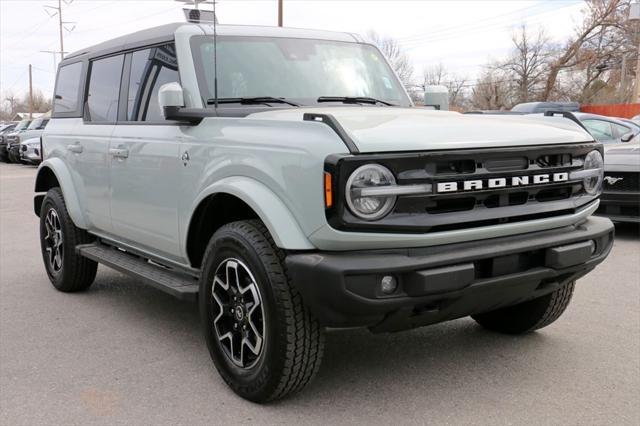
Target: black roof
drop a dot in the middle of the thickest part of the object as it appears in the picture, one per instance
(153, 35)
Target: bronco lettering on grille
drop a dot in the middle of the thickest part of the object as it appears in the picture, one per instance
(495, 183)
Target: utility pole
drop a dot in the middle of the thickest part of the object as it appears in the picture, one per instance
(61, 23)
(30, 95)
(53, 54)
(280, 12)
(60, 29)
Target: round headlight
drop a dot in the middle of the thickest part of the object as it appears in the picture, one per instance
(366, 206)
(594, 163)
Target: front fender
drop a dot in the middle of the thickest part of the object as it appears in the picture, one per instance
(63, 176)
(284, 228)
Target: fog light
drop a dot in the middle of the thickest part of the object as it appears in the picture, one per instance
(388, 284)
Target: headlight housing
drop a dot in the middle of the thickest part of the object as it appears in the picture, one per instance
(363, 201)
(594, 172)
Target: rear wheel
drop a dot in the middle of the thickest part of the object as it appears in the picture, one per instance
(67, 271)
(528, 316)
(262, 338)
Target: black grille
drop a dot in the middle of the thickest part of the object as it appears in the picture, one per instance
(623, 181)
(461, 209)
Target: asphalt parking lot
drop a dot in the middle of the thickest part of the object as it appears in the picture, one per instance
(123, 353)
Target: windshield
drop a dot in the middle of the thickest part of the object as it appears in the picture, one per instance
(296, 69)
(34, 124)
(22, 125)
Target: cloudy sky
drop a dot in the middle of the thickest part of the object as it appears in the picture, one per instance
(462, 35)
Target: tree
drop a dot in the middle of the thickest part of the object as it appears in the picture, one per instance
(527, 66)
(491, 91)
(395, 55)
(13, 104)
(600, 15)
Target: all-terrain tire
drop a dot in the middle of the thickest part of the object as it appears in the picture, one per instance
(528, 316)
(293, 338)
(70, 272)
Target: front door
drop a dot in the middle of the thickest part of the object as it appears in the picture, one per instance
(145, 159)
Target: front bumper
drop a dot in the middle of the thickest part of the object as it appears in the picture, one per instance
(445, 282)
(620, 206)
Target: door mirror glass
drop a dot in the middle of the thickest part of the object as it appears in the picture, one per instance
(171, 95)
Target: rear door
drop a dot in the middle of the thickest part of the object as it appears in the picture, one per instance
(91, 145)
(145, 162)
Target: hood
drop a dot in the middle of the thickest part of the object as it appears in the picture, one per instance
(393, 129)
(622, 157)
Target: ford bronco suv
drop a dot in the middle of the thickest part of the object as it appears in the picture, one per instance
(284, 180)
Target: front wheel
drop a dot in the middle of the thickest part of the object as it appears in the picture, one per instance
(528, 316)
(262, 338)
(67, 271)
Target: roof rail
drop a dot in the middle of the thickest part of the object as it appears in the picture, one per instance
(567, 114)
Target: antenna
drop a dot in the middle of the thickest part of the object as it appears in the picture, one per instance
(215, 57)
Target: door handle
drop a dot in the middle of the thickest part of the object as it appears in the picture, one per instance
(75, 148)
(119, 152)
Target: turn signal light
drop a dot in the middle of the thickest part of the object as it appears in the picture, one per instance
(328, 190)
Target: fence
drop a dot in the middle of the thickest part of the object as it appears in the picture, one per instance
(615, 110)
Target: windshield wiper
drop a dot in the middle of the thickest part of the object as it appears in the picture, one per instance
(252, 101)
(353, 100)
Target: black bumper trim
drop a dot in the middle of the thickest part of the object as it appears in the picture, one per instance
(620, 206)
(445, 282)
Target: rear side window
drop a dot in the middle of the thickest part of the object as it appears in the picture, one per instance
(104, 89)
(67, 89)
(150, 69)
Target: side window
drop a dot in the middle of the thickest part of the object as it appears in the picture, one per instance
(150, 69)
(104, 88)
(601, 130)
(67, 89)
(43, 124)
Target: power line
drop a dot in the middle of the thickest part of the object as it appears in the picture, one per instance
(463, 31)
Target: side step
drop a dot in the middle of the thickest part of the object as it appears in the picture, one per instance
(180, 285)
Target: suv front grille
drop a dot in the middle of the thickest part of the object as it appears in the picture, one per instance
(459, 209)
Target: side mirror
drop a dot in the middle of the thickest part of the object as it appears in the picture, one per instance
(627, 137)
(171, 95)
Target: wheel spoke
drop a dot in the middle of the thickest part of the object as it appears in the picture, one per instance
(54, 243)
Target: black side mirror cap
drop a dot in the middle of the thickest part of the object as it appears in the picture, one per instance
(627, 137)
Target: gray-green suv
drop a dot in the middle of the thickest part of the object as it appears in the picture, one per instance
(284, 180)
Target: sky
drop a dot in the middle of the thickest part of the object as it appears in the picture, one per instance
(462, 35)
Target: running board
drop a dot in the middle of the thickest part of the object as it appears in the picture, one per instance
(177, 284)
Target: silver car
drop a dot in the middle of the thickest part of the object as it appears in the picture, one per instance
(608, 130)
(620, 200)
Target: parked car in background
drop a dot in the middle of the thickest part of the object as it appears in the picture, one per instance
(608, 129)
(4, 126)
(620, 200)
(30, 151)
(12, 136)
(34, 130)
(3, 143)
(630, 122)
(542, 107)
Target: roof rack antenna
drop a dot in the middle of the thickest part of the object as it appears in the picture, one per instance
(215, 57)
